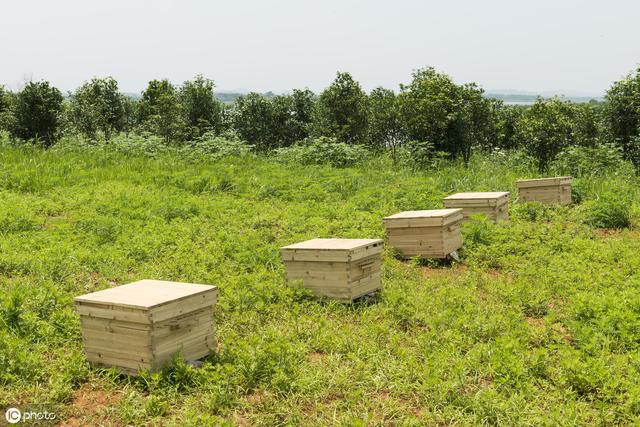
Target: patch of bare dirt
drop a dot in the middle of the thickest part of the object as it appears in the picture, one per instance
(88, 407)
(316, 357)
(535, 321)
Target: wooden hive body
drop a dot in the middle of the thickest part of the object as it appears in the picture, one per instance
(426, 234)
(495, 205)
(545, 190)
(342, 269)
(142, 324)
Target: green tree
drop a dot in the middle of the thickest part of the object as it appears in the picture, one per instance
(429, 105)
(97, 106)
(471, 123)
(385, 121)
(622, 114)
(588, 129)
(160, 111)
(202, 111)
(303, 103)
(341, 111)
(252, 117)
(546, 128)
(282, 123)
(504, 120)
(269, 123)
(452, 118)
(131, 114)
(37, 113)
(6, 109)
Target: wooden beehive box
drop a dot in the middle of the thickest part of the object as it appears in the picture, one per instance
(142, 324)
(545, 190)
(495, 205)
(426, 234)
(342, 269)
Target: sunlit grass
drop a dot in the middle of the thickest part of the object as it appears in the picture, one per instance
(538, 324)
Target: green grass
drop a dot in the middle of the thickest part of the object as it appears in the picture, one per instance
(538, 325)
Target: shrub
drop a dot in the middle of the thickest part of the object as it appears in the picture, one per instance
(545, 129)
(140, 145)
(37, 113)
(97, 106)
(219, 146)
(324, 151)
(421, 155)
(608, 211)
(587, 161)
(341, 111)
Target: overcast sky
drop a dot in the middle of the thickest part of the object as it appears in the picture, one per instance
(542, 45)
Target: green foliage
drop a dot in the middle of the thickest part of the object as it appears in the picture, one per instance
(258, 121)
(37, 113)
(601, 160)
(429, 105)
(269, 123)
(545, 129)
(421, 155)
(161, 112)
(385, 121)
(341, 111)
(528, 329)
(202, 111)
(452, 117)
(6, 109)
(588, 128)
(303, 103)
(323, 151)
(216, 147)
(97, 106)
(503, 123)
(609, 210)
(622, 112)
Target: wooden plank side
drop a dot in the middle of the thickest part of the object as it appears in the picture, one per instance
(123, 353)
(110, 341)
(112, 312)
(184, 343)
(544, 182)
(183, 306)
(127, 365)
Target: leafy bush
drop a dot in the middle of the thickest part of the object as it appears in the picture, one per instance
(421, 155)
(592, 161)
(219, 146)
(608, 211)
(324, 151)
(37, 113)
(145, 144)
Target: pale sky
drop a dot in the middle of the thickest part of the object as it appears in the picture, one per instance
(540, 45)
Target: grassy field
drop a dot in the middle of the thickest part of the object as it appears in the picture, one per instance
(539, 324)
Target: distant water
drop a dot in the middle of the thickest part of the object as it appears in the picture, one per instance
(519, 102)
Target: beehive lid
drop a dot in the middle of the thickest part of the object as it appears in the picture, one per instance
(339, 250)
(544, 182)
(491, 198)
(428, 218)
(145, 294)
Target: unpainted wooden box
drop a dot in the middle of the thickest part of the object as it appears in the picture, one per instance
(556, 190)
(495, 205)
(142, 324)
(426, 234)
(342, 269)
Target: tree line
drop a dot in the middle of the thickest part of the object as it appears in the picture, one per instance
(431, 114)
